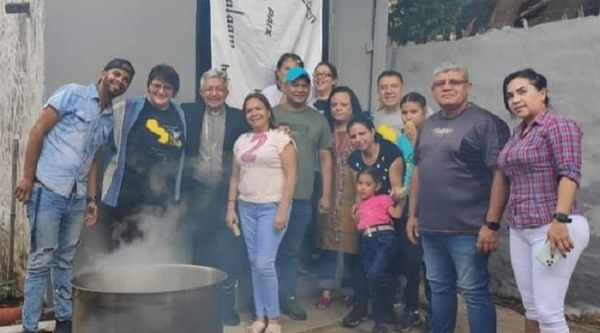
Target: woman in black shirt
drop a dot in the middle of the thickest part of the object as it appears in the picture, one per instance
(372, 151)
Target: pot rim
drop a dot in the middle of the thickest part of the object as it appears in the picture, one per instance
(78, 287)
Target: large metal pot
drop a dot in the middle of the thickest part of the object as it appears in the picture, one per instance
(148, 299)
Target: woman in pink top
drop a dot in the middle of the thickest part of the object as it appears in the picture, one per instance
(378, 245)
(548, 232)
(262, 183)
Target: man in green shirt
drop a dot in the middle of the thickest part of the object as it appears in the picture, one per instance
(310, 132)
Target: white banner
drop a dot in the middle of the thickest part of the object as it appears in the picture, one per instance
(248, 36)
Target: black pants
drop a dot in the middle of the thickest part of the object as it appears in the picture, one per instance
(408, 262)
(131, 211)
(309, 250)
(212, 243)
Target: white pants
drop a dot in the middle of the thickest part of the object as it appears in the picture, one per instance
(543, 289)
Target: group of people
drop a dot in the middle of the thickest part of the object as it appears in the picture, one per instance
(398, 191)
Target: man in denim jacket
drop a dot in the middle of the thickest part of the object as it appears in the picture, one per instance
(58, 184)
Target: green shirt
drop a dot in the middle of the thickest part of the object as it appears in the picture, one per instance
(311, 133)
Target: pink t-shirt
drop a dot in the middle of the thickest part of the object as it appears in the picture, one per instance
(261, 172)
(374, 211)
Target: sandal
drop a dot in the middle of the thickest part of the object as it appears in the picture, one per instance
(324, 302)
(256, 327)
(273, 328)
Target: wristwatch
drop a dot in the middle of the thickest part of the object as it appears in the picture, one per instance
(561, 217)
(89, 199)
(492, 225)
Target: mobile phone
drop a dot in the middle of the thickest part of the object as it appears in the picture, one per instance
(546, 258)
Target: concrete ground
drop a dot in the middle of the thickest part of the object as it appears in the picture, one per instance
(329, 320)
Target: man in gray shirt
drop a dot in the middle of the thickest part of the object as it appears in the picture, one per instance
(390, 88)
(457, 199)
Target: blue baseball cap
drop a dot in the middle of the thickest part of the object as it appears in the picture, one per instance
(295, 73)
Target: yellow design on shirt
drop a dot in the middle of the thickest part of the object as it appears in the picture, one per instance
(387, 132)
(163, 135)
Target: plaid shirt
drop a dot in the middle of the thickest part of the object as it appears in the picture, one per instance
(534, 162)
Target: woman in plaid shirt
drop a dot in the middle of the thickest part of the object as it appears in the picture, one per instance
(542, 159)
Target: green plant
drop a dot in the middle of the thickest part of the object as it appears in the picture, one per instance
(9, 294)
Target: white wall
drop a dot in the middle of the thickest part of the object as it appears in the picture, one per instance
(567, 53)
(21, 85)
(82, 35)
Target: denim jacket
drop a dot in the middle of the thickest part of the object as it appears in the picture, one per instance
(69, 147)
(126, 113)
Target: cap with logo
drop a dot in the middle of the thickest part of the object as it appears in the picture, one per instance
(295, 73)
(123, 64)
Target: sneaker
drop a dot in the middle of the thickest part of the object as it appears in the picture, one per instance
(428, 326)
(380, 328)
(63, 327)
(292, 309)
(409, 320)
(357, 315)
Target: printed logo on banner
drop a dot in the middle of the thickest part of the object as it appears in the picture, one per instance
(270, 18)
(248, 36)
(231, 21)
(310, 15)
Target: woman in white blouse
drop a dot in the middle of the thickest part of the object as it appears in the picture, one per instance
(262, 183)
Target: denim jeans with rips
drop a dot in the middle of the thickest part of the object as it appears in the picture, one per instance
(55, 225)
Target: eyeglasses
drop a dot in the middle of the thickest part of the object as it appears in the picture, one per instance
(158, 87)
(321, 74)
(452, 83)
(214, 89)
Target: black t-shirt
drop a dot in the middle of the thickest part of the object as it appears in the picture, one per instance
(321, 105)
(388, 153)
(154, 147)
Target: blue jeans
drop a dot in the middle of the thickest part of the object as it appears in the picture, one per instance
(55, 225)
(453, 261)
(289, 251)
(262, 241)
(378, 252)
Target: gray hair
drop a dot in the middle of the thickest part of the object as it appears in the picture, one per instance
(449, 66)
(214, 73)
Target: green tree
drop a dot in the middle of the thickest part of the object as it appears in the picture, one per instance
(422, 21)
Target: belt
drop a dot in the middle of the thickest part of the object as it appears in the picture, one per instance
(371, 230)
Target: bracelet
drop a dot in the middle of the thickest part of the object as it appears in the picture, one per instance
(231, 200)
(89, 199)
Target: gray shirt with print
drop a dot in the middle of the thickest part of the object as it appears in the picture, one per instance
(456, 157)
